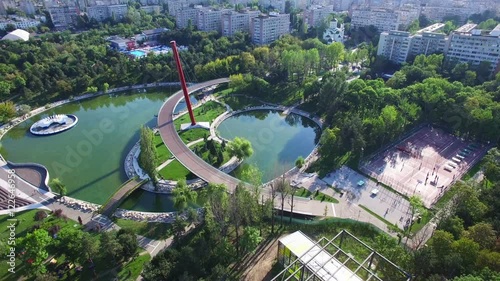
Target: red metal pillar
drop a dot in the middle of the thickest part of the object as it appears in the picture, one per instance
(183, 82)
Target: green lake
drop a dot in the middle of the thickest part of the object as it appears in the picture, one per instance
(89, 157)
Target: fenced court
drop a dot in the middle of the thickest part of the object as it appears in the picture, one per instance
(424, 163)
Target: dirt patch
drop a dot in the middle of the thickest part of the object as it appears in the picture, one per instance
(259, 265)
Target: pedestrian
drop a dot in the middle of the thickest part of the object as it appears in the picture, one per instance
(80, 220)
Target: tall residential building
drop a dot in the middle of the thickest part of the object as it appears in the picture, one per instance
(316, 15)
(470, 45)
(429, 41)
(186, 15)
(62, 14)
(394, 45)
(398, 46)
(267, 28)
(233, 21)
(382, 19)
(118, 11)
(209, 19)
(98, 12)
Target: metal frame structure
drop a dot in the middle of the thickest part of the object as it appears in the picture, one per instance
(287, 273)
(183, 82)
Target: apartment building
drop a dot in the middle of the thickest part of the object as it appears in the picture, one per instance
(62, 15)
(429, 41)
(382, 19)
(186, 15)
(398, 46)
(18, 22)
(233, 21)
(151, 9)
(118, 11)
(98, 12)
(209, 19)
(267, 28)
(316, 15)
(470, 45)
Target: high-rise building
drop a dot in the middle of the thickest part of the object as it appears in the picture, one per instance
(209, 19)
(316, 15)
(186, 16)
(382, 19)
(470, 45)
(276, 4)
(233, 21)
(62, 14)
(267, 28)
(398, 46)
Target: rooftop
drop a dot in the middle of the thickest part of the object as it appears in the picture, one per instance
(431, 28)
(327, 260)
(466, 28)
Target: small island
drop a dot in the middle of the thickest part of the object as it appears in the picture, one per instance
(53, 124)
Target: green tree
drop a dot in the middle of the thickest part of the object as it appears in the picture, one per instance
(183, 194)
(89, 245)
(148, 157)
(179, 227)
(239, 148)
(129, 243)
(35, 245)
(7, 111)
(58, 186)
(483, 234)
(250, 239)
(110, 247)
(299, 162)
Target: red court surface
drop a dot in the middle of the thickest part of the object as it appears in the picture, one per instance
(425, 163)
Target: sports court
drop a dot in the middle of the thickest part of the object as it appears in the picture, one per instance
(425, 163)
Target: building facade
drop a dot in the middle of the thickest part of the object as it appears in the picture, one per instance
(316, 15)
(334, 33)
(209, 19)
(470, 45)
(267, 28)
(19, 23)
(233, 22)
(63, 16)
(382, 19)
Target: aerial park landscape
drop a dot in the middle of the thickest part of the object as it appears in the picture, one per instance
(273, 163)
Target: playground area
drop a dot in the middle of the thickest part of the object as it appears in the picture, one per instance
(425, 163)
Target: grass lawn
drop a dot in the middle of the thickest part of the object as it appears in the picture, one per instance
(153, 230)
(376, 215)
(302, 192)
(134, 267)
(205, 113)
(240, 102)
(163, 152)
(476, 168)
(175, 171)
(223, 93)
(193, 134)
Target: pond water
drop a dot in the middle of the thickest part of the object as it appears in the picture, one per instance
(89, 157)
(277, 140)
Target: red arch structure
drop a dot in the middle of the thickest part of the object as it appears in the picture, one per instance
(183, 82)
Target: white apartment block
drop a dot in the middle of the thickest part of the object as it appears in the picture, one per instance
(184, 16)
(316, 15)
(98, 12)
(233, 22)
(209, 19)
(382, 19)
(429, 41)
(470, 45)
(398, 46)
(394, 45)
(437, 13)
(334, 33)
(267, 28)
(19, 23)
(118, 11)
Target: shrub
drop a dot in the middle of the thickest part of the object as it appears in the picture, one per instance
(40, 215)
(58, 213)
